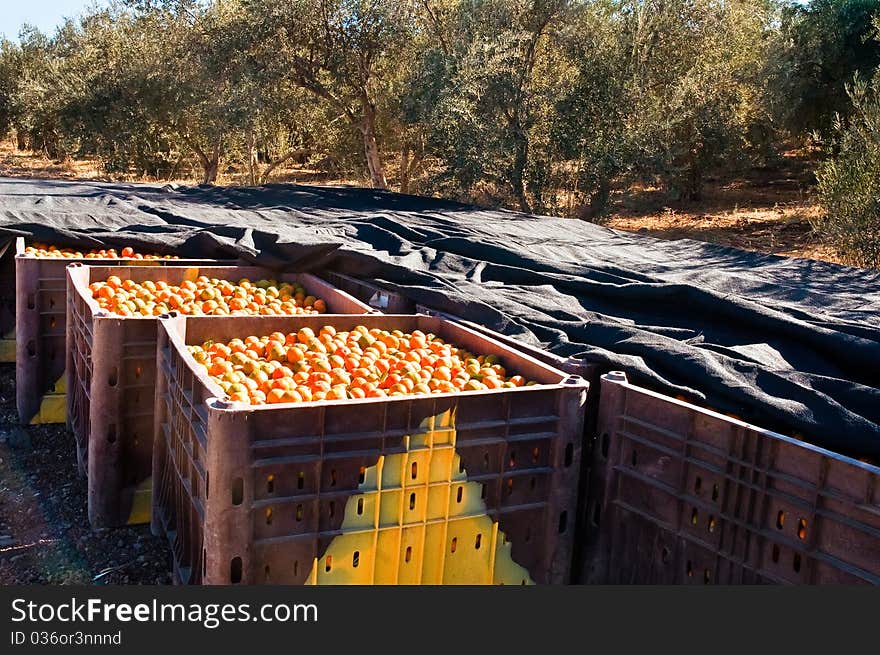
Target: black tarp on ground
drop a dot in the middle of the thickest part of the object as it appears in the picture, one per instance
(792, 345)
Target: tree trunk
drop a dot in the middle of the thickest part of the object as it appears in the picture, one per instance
(597, 202)
(404, 168)
(300, 152)
(252, 157)
(371, 147)
(517, 178)
(211, 165)
(694, 177)
(21, 140)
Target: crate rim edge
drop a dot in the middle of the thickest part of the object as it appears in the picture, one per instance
(100, 313)
(560, 360)
(90, 261)
(220, 404)
(620, 378)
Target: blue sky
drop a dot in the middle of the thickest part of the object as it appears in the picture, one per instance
(45, 14)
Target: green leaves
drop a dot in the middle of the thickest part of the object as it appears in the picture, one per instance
(540, 105)
(849, 182)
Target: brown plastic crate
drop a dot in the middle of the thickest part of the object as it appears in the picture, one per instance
(690, 496)
(388, 302)
(111, 377)
(7, 302)
(40, 329)
(448, 488)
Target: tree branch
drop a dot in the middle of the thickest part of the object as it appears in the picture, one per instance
(438, 28)
(275, 164)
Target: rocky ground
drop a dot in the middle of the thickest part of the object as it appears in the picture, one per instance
(45, 536)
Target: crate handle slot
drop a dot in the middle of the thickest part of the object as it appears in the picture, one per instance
(237, 491)
(563, 521)
(235, 570)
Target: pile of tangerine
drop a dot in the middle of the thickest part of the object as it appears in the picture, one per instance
(41, 250)
(205, 296)
(363, 363)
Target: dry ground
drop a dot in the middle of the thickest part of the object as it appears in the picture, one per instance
(766, 210)
(45, 536)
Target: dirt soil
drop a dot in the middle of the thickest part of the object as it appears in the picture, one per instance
(766, 210)
(45, 536)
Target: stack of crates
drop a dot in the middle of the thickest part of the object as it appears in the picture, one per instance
(537, 484)
(472, 487)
